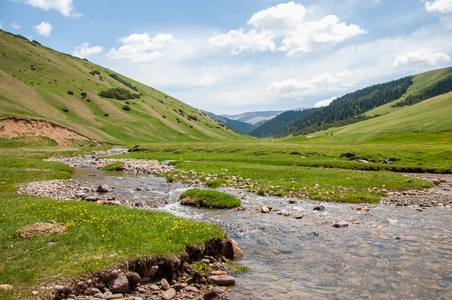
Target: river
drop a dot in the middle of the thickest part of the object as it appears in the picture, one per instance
(387, 252)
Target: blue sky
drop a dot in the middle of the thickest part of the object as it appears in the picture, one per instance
(232, 56)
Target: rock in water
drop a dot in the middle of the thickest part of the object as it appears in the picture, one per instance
(216, 293)
(104, 189)
(223, 280)
(340, 224)
(232, 250)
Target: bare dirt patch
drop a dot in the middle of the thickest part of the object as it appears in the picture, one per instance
(41, 228)
(18, 127)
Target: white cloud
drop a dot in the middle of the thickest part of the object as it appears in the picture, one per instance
(65, 7)
(325, 81)
(15, 25)
(325, 102)
(84, 50)
(1, 25)
(44, 28)
(420, 58)
(441, 6)
(140, 48)
(286, 23)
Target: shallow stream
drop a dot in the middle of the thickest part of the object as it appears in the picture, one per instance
(387, 252)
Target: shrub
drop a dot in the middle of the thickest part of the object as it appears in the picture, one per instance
(70, 92)
(83, 94)
(126, 108)
(119, 94)
(65, 110)
(209, 199)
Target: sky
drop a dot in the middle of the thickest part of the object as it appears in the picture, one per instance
(235, 56)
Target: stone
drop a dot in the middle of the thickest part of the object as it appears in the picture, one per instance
(223, 280)
(191, 289)
(99, 296)
(265, 210)
(150, 272)
(177, 286)
(119, 284)
(114, 296)
(298, 216)
(165, 285)
(154, 287)
(59, 287)
(169, 294)
(216, 293)
(93, 291)
(133, 278)
(91, 198)
(232, 250)
(319, 207)
(340, 224)
(104, 188)
(6, 287)
(34, 293)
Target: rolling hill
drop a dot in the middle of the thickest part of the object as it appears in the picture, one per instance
(42, 84)
(373, 101)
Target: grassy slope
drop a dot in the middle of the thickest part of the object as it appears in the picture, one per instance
(426, 122)
(421, 82)
(35, 80)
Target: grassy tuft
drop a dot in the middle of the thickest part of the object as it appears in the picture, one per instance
(209, 199)
(116, 166)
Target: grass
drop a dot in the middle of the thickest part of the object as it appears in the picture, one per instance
(209, 199)
(97, 237)
(116, 166)
(309, 171)
(42, 77)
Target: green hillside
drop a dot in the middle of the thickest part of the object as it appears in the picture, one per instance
(373, 101)
(427, 122)
(40, 83)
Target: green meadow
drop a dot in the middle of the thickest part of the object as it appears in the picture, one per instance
(98, 236)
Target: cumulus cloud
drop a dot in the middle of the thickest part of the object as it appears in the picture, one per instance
(441, 6)
(325, 102)
(44, 28)
(84, 50)
(325, 81)
(287, 23)
(65, 7)
(140, 48)
(420, 58)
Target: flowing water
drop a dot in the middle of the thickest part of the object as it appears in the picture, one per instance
(384, 253)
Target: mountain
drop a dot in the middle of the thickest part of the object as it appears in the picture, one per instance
(38, 83)
(369, 102)
(257, 117)
(278, 124)
(240, 126)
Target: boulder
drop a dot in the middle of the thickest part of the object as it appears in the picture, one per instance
(319, 207)
(165, 285)
(232, 250)
(216, 293)
(133, 278)
(169, 294)
(150, 272)
(119, 284)
(104, 189)
(340, 224)
(223, 280)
